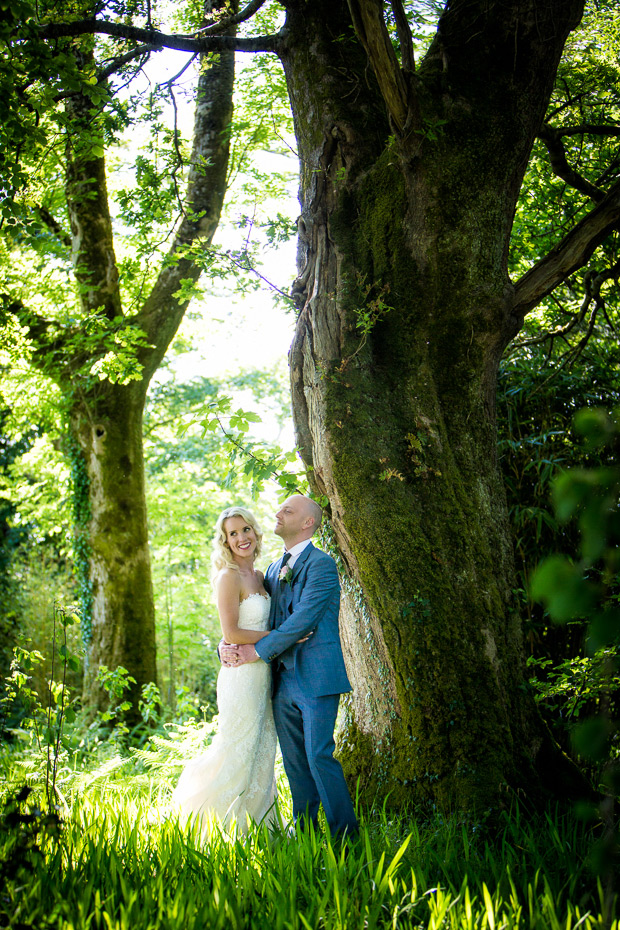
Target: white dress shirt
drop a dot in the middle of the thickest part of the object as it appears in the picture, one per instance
(296, 550)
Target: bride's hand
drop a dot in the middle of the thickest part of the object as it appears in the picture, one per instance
(228, 653)
(305, 638)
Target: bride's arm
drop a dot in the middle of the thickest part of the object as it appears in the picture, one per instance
(228, 589)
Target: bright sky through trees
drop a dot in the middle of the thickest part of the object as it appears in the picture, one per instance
(230, 331)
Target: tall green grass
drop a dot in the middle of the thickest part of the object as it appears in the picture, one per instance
(117, 867)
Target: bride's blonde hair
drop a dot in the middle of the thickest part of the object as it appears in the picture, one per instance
(222, 556)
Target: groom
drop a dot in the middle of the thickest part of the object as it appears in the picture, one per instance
(308, 677)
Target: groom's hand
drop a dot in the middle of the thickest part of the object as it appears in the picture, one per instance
(233, 656)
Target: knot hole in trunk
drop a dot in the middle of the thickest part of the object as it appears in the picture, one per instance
(100, 434)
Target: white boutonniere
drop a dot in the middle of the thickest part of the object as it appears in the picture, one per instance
(285, 574)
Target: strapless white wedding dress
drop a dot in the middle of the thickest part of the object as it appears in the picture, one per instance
(234, 779)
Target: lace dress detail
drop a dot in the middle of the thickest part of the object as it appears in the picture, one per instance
(234, 779)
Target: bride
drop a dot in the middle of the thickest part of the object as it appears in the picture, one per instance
(233, 782)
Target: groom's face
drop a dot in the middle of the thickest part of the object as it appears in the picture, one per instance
(291, 518)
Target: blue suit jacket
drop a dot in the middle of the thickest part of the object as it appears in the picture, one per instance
(308, 602)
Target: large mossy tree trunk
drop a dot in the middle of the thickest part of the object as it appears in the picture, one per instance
(409, 186)
(113, 550)
(105, 418)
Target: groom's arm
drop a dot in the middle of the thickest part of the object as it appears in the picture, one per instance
(320, 590)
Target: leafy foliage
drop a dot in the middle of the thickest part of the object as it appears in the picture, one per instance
(10, 539)
(574, 163)
(569, 691)
(24, 833)
(587, 587)
(537, 400)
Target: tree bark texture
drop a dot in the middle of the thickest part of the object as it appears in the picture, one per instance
(121, 629)
(409, 183)
(105, 419)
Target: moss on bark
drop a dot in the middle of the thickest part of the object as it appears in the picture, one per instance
(109, 433)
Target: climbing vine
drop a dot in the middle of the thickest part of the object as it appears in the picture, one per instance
(81, 546)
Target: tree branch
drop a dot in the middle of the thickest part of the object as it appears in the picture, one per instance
(152, 37)
(367, 16)
(86, 192)
(559, 163)
(574, 351)
(588, 129)
(117, 63)
(54, 226)
(206, 186)
(568, 255)
(561, 331)
(593, 282)
(404, 35)
(223, 24)
(609, 172)
(142, 51)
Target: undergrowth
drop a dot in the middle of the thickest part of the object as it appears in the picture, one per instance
(120, 862)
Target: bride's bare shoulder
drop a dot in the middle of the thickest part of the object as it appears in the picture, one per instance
(227, 581)
(231, 570)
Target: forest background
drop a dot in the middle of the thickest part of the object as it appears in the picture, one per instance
(232, 345)
(201, 451)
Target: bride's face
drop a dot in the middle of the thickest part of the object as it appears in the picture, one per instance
(240, 537)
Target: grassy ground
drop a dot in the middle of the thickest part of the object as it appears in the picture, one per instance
(114, 865)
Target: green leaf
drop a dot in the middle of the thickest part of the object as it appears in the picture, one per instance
(570, 490)
(604, 630)
(591, 738)
(595, 426)
(560, 585)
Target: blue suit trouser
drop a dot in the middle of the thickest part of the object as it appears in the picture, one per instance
(305, 726)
